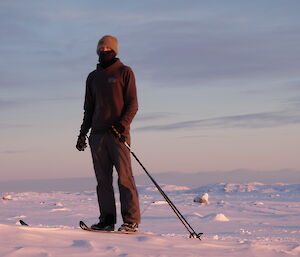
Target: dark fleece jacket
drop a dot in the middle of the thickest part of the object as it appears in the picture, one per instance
(110, 97)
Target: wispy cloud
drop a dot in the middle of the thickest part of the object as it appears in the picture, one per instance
(5, 104)
(206, 46)
(254, 120)
(153, 116)
(13, 152)
(196, 52)
(14, 126)
(22, 102)
(293, 85)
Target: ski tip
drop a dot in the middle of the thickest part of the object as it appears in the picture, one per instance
(23, 223)
(83, 225)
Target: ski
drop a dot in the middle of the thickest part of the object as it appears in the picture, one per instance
(83, 226)
(23, 223)
(87, 228)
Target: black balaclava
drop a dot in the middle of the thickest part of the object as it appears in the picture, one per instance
(107, 58)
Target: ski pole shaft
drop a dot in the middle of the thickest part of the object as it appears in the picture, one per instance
(148, 205)
(171, 204)
(192, 232)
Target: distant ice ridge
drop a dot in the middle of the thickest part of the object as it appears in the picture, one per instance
(253, 187)
(7, 197)
(168, 188)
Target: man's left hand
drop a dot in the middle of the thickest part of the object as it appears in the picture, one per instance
(119, 127)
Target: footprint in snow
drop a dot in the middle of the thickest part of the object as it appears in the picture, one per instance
(81, 244)
(29, 251)
(142, 238)
(113, 249)
(123, 255)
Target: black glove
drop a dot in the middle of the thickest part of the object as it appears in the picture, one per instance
(81, 144)
(119, 127)
(117, 130)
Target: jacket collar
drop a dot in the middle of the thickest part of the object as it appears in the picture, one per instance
(114, 65)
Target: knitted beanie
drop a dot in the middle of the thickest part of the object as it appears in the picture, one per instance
(108, 41)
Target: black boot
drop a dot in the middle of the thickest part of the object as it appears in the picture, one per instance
(129, 227)
(103, 226)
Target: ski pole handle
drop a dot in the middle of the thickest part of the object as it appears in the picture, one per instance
(118, 135)
(115, 131)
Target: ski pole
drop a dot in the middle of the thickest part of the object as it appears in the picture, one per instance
(189, 228)
(147, 207)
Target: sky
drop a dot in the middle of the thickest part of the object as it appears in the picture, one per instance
(218, 83)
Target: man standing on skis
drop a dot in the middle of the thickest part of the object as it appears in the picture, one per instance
(111, 101)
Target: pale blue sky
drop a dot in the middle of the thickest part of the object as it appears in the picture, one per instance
(218, 83)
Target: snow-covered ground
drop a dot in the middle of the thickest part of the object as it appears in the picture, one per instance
(246, 220)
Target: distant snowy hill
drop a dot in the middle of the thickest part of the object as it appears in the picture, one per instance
(175, 178)
(241, 219)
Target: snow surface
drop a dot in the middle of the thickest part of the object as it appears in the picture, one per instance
(252, 219)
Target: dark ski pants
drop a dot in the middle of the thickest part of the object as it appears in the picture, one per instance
(107, 151)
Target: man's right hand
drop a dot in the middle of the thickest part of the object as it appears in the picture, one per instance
(81, 144)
